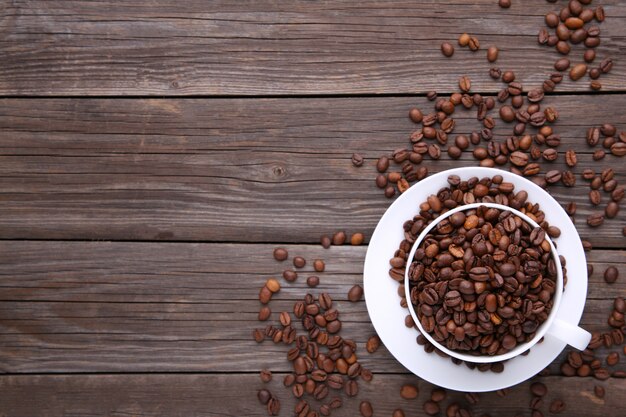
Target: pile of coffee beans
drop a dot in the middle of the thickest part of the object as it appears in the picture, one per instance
(325, 365)
(475, 190)
(482, 281)
(574, 25)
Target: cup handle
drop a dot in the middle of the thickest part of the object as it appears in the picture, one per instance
(570, 334)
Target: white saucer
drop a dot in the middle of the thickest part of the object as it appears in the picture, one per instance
(383, 303)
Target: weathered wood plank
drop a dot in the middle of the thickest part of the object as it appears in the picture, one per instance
(119, 272)
(147, 307)
(235, 395)
(279, 48)
(199, 169)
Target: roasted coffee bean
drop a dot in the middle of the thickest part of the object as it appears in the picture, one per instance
(611, 274)
(606, 65)
(473, 44)
(570, 158)
(264, 396)
(578, 71)
(595, 219)
(339, 238)
(273, 406)
(595, 197)
(568, 178)
(398, 413)
(598, 155)
(409, 391)
(313, 281)
(538, 389)
(299, 262)
(535, 95)
(505, 4)
(264, 313)
(366, 409)
(266, 375)
(492, 54)
(589, 56)
(355, 293)
(550, 154)
(447, 49)
(618, 149)
(416, 116)
(557, 406)
(508, 77)
(280, 254)
(351, 388)
(382, 165)
(431, 408)
(611, 209)
(357, 159)
(431, 95)
(373, 343)
(265, 295)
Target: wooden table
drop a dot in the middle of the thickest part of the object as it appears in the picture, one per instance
(154, 153)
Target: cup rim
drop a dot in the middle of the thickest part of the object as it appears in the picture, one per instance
(519, 349)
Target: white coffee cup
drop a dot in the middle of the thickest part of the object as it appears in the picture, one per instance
(566, 332)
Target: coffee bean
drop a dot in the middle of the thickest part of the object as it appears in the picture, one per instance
(578, 71)
(265, 295)
(598, 155)
(290, 275)
(606, 65)
(355, 293)
(313, 281)
(266, 375)
(409, 391)
(611, 209)
(357, 239)
(431, 408)
(538, 389)
(431, 95)
(382, 165)
(595, 197)
(351, 388)
(357, 159)
(319, 265)
(595, 219)
(492, 54)
(464, 39)
(339, 238)
(416, 116)
(366, 409)
(612, 358)
(553, 176)
(589, 56)
(398, 413)
(447, 49)
(552, 19)
(618, 149)
(264, 396)
(562, 64)
(473, 44)
(535, 96)
(280, 254)
(505, 4)
(563, 47)
(299, 262)
(611, 274)
(550, 154)
(557, 406)
(273, 406)
(264, 313)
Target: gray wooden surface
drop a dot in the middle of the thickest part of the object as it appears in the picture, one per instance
(153, 153)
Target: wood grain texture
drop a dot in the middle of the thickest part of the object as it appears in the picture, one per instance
(179, 307)
(235, 395)
(273, 170)
(276, 48)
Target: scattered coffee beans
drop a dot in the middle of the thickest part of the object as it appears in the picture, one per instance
(611, 274)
